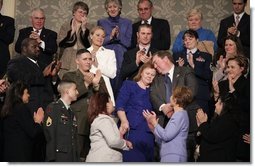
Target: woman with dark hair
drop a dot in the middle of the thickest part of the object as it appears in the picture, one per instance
(218, 138)
(199, 62)
(133, 98)
(232, 48)
(20, 129)
(106, 141)
(238, 86)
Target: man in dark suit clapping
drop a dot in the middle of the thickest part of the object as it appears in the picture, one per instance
(236, 24)
(136, 57)
(161, 39)
(45, 37)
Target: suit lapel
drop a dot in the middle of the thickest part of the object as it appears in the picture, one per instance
(161, 86)
(43, 34)
(175, 76)
(33, 65)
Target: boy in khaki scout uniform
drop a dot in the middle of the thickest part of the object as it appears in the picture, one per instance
(60, 126)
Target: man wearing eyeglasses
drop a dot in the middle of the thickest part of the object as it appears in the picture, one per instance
(161, 39)
(45, 37)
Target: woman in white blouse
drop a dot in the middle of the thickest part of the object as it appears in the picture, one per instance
(104, 59)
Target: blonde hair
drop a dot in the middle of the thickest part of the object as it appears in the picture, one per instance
(195, 12)
(96, 28)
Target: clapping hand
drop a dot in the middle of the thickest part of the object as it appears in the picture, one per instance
(3, 85)
(180, 61)
(84, 22)
(201, 117)
(39, 115)
(97, 77)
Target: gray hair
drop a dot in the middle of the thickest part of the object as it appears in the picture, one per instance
(118, 2)
(37, 10)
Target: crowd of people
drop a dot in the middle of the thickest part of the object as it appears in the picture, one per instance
(117, 93)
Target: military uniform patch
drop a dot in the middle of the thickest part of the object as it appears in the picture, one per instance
(48, 121)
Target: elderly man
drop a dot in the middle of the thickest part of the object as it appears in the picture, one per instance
(161, 39)
(45, 37)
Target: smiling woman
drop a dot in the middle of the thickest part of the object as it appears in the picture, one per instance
(73, 35)
(118, 31)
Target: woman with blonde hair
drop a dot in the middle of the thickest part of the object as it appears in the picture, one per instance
(195, 18)
(103, 59)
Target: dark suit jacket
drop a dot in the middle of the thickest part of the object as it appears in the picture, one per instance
(161, 38)
(183, 76)
(50, 39)
(20, 132)
(129, 69)
(80, 106)
(7, 31)
(243, 27)
(219, 139)
(40, 88)
(202, 72)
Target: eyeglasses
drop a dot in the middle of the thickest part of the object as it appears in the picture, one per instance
(143, 9)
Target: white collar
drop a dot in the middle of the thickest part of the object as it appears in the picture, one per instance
(38, 30)
(240, 15)
(66, 105)
(149, 20)
(147, 47)
(192, 50)
(171, 73)
(101, 48)
(34, 61)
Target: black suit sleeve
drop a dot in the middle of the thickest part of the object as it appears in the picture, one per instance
(222, 33)
(26, 121)
(129, 66)
(84, 38)
(161, 38)
(22, 35)
(50, 42)
(7, 31)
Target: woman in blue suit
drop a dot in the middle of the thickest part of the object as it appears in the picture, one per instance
(173, 138)
(118, 35)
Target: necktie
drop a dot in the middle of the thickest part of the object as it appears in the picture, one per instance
(145, 22)
(237, 20)
(144, 50)
(168, 86)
